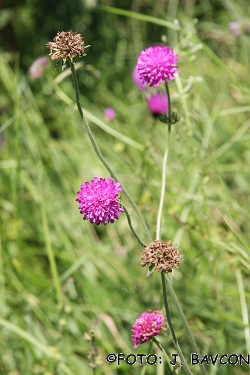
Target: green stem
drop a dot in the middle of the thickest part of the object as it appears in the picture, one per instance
(51, 257)
(184, 104)
(161, 348)
(169, 109)
(185, 323)
(158, 237)
(132, 228)
(163, 188)
(171, 328)
(99, 154)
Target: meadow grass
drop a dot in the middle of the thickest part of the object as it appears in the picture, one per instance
(58, 273)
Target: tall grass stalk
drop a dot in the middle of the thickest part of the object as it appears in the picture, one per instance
(244, 308)
(51, 257)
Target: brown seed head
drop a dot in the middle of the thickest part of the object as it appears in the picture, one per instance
(66, 45)
(162, 255)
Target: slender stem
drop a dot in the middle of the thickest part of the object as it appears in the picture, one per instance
(158, 237)
(184, 104)
(244, 308)
(51, 257)
(185, 323)
(99, 154)
(163, 188)
(175, 342)
(2, 283)
(169, 108)
(132, 228)
(161, 348)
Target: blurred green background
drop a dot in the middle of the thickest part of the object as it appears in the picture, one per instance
(45, 155)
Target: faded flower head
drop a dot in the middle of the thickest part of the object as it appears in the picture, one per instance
(137, 80)
(239, 27)
(66, 45)
(163, 256)
(235, 28)
(158, 103)
(37, 67)
(148, 324)
(109, 113)
(156, 65)
(99, 201)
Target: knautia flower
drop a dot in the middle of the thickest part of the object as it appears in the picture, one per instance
(235, 28)
(109, 113)
(162, 256)
(158, 103)
(239, 27)
(99, 201)
(148, 324)
(66, 45)
(137, 80)
(37, 67)
(156, 65)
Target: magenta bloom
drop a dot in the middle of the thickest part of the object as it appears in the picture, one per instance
(37, 68)
(99, 201)
(137, 80)
(156, 65)
(109, 113)
(147, 326)
(158, 103)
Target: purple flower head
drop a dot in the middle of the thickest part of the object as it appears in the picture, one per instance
(99, 201)
(239, 27)
(147, 326)
(137, 80)
(158, 103)
(235, 28)
(109, 113)
(37, 68)
(156, 65)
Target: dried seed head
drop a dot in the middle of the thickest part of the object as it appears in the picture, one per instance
(66, 45)
(162, 255)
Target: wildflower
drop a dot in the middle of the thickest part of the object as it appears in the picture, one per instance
(137, 80)
(109, 113)
(156, 65)
(163, 256)
(239, 27)
(148, 324)
(37, 67)
(66, 45)
(235, 28)
(99, 201)
(158, 103)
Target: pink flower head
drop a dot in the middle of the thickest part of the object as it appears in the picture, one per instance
(37, 68)
(156, 65)
(147, 326)
(109, 113)
(235, 28)
(239, 27)
(158, 103)
(99, 201)
(137, 80)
